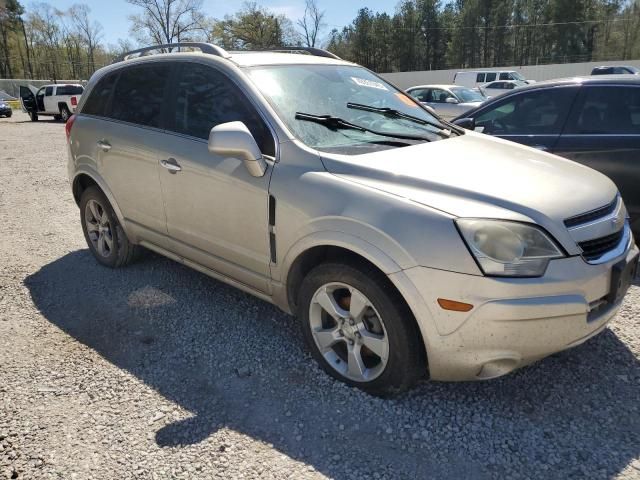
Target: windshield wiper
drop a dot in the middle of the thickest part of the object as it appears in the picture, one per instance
(337, 123)
(390, 112)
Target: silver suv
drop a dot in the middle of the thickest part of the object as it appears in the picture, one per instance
(404, 244)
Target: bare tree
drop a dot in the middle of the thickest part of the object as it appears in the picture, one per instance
(89, 32)
(44, 24)
(72, 44)
(167, 21)
(312, 23)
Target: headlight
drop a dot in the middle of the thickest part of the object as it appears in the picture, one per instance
(508, 249)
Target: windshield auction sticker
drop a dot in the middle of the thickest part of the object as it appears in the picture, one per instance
(369, 83)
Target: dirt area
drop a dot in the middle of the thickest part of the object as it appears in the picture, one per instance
(158, 372)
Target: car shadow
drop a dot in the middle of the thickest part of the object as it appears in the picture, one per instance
(237, 362)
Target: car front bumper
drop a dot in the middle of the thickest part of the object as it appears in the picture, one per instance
(514, 322)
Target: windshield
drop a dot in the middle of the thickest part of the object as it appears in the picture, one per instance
(633, 70)
(340, 91)
(467, 95)
(517, 76)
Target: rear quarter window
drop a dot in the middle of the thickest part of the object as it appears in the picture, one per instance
(96, 103)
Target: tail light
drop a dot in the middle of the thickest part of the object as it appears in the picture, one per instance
(68, 125)
(74, 102)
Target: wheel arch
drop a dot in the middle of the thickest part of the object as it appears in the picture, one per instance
(84, 179)
(317, 254)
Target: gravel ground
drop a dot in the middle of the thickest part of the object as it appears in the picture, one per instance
(156, 371)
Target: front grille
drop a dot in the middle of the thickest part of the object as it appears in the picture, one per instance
(592, 215)
(594, 249)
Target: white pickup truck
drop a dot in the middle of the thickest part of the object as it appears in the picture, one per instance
(57, 100)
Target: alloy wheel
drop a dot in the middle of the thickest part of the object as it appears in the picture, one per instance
(349, 332)
(98, 228)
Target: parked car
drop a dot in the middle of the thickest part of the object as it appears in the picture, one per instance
(592, 120)
(401, 243)
(495, 89)
(476, 78)
(615, 70)
(58, 101)
(448, 101)
(5, 110)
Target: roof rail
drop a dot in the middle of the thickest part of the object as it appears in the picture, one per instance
(208, 48)
(318, 52)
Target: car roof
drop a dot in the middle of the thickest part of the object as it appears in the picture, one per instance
(484, 71)
(251, 59)
(504, 81)
(609, 79)
(246, 58)
(612, 66)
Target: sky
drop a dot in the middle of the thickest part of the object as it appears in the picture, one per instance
(112, 14)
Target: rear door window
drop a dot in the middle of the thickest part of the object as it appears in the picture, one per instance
(613, 110)
(139, 94)
(530, 113)
(98, 99)
(69, 90)
(205, 97)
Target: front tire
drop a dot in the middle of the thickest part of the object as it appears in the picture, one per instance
(33, 117)
(359, 329)
(102, 230)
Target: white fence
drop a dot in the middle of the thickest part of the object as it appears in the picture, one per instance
(533, 72)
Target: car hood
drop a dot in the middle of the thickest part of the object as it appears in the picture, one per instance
(475, 175)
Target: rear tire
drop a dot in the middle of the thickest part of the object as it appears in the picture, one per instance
(102, 231)
(33, 116)
(64, 113)
(384, 335)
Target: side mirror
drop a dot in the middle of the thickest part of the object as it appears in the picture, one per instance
(466, 123)
(234, 139)
(451, 100)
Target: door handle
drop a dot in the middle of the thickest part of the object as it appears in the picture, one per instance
(104, 145)
(171, 165)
